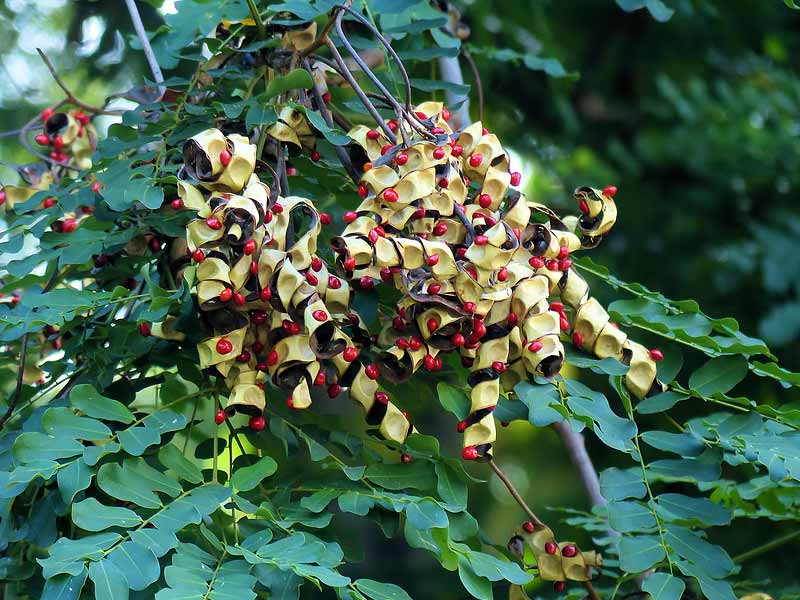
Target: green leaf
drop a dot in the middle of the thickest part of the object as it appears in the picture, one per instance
(479, 587)
(686, 444)
(381, 591)
(87, 400)
(660, 402)
(33, 446)
(687, 469)
(710, 558)
(296, 79)
(355, 503)
(417, 475)
(614, 431)
(173, 459)
(616, 484)
(663, 586)
(93, 516)
(718, 375)
(453, 400)
(138, 563)
(109, 581)
(543, 402)
(136, 481)
(698, 511)
(65, 586)
(637, 554)
(68, 556)
(627, 516)
(246, 478)
(73, 478)
(63, 422)
(451, 488)
(426, 514)
(659, 10)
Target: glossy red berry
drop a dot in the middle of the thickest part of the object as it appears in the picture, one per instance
(382, 397)
(324, 218)
(144, 329)
(392, 123)
(320, 379)
(326, 97)
(320, 315)
(226, 294)
(350, 216)
(563, 323)
(406, 458)
(224, 346)
(559, 586)
(49, 202)
(363, 191)
(656, 354)
(570, 550)
(272, 358)
(244, 357)
(498, 366)
(457, 339)
(372, 371)
(390, 195)
(610, 191)
(257, 423)
(564, 264)
(433, 260)
(238, 298)
(366, 282)
(315, 156)
(502, 274)
(334, 282)
(69, 225)
(462, 426)
(438, 153)
(481, 240)
(214, 223)
(42, 140)
(583, 206)
(577, 339)
(402, 343)
(249, 247)
(457, 150)
(385, 149)
(415, 343)
(225, 158)
(349, 263)
(265, 294)
(198, 255)
(432, 324)
(535, 346)
(516, 178)
(475, 160)
(485, 200)
(373, 134)
(529, 527)
(350, 354)
(434, 288)
(550, 548)
(512, 319)
(334, 390)
(469, 453)
(536, 262)
(311, 278)
(430, 362)
(401, 158)
(277, 208)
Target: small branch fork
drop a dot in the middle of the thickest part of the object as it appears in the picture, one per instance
(70, 97)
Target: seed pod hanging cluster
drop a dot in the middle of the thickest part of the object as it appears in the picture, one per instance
(274, 306)
(483, 271)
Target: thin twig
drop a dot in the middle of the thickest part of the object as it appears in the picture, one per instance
(257, 18)
(513, 491)
(576, 448)
(771, 545)
(323, 109)
(136, 18)
(71, 98)
(477, 78)
(12, 403)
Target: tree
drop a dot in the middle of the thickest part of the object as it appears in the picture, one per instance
(208, 269)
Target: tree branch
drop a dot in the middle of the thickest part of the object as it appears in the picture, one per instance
(576, 448)
(71, 98)
(513, 491)
(136, 18)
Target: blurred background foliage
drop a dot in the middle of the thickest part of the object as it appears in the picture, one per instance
(695, 119)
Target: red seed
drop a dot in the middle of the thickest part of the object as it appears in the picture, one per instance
(272, 358)
(516, 177)
(577, 339)
(58, 142)
(257, 423)
(469, 307)
(570, 550)
(535, 346)
(334, 282)
(462, 426)
(563, 323)
(350, 354)
(316, 263)
(326, 97)
(563, 252)
(239, 299)
(42, 140)
(512, 319)
(444, 183)
(214, 223)
(363, 191)
(349, 263)
(552, 265)
(225, 158)
(475, 160)
(386, 274)
(390, 195)
(438, 153)
(502, 274)
(421, 114)
(320, 315)
(382, 397)
(320, 379)
(366, 282)
(373, 236)
(144, 329)
(373, 134)
(315, 156)
(433, 324)
(433, 260)
(536, 262)
(457, 150)
(392, 123)
(262, 366)
(277, 208)
(469, 453)
(434, 288)
(372, 371)
(265, 294)
(610, 191)
(485, 200)
(529, 526)
(481, 240)
(49, 202)
(257, 347)
(69, 225)
(472, 272)
(557, 306)
(559, 586)
(198, 255)
(47, 113)
(334, 390)
(406, 458)
(224, 346)
(430, 362)
(415, 343)
(385, 149)
(226, 294)
(564, 264)
(324, 218)
(656, 354)
(401, 158)
(440, 229)
(445, 113)
(583, 206)
(498, 366)
(220, 417)
(550, 548)
(402, 343)
(457, 339)
(350, 216)
(249, 247)
(311, 278)
(244, 357)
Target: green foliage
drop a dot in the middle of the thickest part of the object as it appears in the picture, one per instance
(115, 482)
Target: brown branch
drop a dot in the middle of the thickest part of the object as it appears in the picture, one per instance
(71, 98)
(513, 491)
(12, 402)
(477, 78)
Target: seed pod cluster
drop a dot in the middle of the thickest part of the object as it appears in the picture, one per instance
(275, 307)
(478, 265)
(555, 561)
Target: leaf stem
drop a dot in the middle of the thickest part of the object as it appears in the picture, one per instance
(257, 18)
(766, 547)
